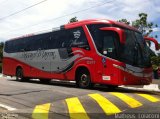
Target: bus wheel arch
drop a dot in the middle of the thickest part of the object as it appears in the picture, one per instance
(20, 74)
(83, 77)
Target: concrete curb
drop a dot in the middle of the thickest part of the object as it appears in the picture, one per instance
(151, 87)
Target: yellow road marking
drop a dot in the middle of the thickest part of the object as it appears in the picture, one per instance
(149, 97)
(41, 111)
(127, 99)
(76, 109)
(107, 106)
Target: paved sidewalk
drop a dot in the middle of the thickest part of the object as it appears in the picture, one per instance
(156, 81)
(2, 110)
(154, 86)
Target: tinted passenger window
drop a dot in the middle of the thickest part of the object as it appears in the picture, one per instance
(38, 42)
(14, 45)
(52, 40)
(65, 38)
(78, 36)
(96, 34)
(60, 37)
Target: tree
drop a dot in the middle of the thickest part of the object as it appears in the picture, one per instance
(145, 27)
(1, 55)
(124, 21)
(74, 19)
(142, 24)
(1, 51)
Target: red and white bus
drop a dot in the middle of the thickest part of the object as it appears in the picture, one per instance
(89, 52)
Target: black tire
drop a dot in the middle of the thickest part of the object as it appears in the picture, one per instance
(45, 81)
(19, 75)
(83, 79)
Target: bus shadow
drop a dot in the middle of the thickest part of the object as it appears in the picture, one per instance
(102, 88)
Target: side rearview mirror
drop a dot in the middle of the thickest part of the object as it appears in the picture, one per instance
(120, 32)
(154, 41)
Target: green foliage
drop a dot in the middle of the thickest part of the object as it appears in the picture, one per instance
(1, 51)
(74, 19)
(124, 21)
(142, 24)
(155, 62)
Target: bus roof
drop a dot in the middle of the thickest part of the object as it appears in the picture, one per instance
(98, 21)
(84, 22)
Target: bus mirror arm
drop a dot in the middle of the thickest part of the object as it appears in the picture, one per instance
(154, 41)
(119, 31)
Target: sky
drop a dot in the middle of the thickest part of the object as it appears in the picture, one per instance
(53, 13)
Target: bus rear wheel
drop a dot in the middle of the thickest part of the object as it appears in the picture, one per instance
(19, 75)
(84, 79)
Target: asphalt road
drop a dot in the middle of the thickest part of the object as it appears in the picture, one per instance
(64, 101)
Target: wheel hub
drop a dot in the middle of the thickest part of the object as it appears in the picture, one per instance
(84, 79)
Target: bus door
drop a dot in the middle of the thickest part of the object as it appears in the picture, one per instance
(110, 55)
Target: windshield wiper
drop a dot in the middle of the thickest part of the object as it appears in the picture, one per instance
(135, 54)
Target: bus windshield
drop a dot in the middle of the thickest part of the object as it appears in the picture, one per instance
(134, 52)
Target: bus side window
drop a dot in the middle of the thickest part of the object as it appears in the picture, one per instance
(16, 45)
(60, 38)
(52, 40)
(45, 41)
(55, 39)
(8, 45)
(33, 43)
(77, 36)
(67, 41)
(26, 47)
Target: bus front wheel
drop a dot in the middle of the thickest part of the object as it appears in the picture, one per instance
(83, 79)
